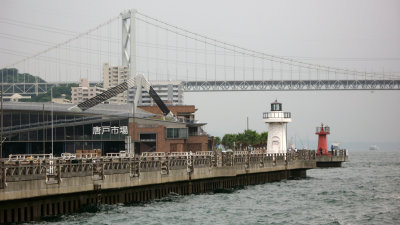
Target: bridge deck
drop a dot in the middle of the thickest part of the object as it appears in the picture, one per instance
(238, 85)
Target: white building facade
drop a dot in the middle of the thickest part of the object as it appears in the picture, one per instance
(84, 91)
(277, 124)
(113, 76)
(171, 92)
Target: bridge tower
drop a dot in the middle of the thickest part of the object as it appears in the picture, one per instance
(277, 124)
(129, 41)
(322, 131)
(129, 59)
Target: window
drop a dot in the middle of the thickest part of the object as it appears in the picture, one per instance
(276, 107)
(177, 133)
(148, 137)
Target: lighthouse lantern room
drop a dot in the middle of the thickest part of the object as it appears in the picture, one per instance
(277, 123)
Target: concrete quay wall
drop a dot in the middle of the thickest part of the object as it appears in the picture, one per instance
(324, 158)
(334, 160)
(336, 155)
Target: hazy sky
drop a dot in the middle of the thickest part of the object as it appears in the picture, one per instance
(362, 35)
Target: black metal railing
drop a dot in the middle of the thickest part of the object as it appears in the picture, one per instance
(35, 167)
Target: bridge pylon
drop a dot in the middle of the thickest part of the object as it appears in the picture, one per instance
(129, 40)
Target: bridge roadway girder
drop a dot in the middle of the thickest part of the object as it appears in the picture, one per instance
(290, 85)
(34, 88)
(256, 85)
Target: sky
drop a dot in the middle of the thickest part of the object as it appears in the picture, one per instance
(359, 34)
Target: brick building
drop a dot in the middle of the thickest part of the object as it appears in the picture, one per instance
(185, 134)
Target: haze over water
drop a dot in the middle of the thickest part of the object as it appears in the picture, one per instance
(364, 191)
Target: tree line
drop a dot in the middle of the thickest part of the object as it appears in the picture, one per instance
(243, 140)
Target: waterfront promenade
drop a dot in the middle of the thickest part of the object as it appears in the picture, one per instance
(37, 187)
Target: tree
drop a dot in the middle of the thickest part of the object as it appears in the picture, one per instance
(228, 140)
(263, 139)
(217, 140)
(11, 75)
(253, 138)
(249, 138)
(245, 139)
(240, 140)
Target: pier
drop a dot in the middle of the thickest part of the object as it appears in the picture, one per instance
(334, 159)
(33, 188)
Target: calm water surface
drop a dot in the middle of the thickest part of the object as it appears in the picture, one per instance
(366, 190)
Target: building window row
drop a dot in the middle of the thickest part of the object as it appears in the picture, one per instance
(177, 133)
(67, 132)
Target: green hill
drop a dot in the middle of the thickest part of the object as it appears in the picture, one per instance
(11, 75)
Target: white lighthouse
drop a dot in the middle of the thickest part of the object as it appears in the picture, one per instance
(277, 121)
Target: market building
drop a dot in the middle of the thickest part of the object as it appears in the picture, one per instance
(33, 128)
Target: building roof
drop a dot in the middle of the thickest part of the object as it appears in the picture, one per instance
(276, 102)
(175, 109)
(16, 96)
(123, 110)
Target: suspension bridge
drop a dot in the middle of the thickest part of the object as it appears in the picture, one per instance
(164, 52)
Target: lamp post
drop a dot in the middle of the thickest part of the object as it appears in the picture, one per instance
(2, 118)
(52, 123)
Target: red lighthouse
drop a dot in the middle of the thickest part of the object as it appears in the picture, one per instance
(322, 131)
